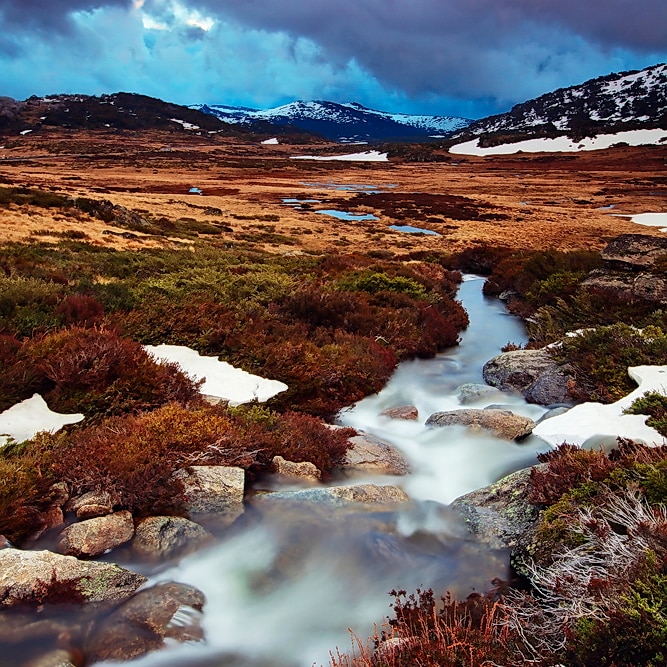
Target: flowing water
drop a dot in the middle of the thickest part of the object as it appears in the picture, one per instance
(283, 588)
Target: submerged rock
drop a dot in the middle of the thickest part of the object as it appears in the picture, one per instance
(502, 423)
(408, 412)
(35, 577)
(469, 393)
(143, 623)
(370, 494)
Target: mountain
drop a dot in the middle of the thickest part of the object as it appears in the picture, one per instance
(349, 123)
(121, 111)
(605, 105)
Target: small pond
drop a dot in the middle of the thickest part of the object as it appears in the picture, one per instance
(346, 215)
(409, 229)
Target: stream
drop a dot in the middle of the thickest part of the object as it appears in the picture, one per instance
(288, 580)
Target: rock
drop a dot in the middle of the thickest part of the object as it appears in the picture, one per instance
(168, 537)
(4, 542)
(408, 412)
(647, 286)
(213, 490)
(372, 494)
(56, 658)
(94, 537)
(297, 471)
(143, 623)
(469, 393)
(502, 423)
(59, 493)
(35, 577)
(370, 454)
(500, 513)
(554, 412)
(92, 504)
(634, 251)
(53, 517)
(533, 373)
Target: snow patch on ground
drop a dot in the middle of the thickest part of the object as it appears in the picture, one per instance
(271, 142)
(648, 219)
(185, 124)
(590, 425)
(563, 144)
(367, 156)
(27, 418)
(222, 380)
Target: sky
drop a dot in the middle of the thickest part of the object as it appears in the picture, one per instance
(469, 58)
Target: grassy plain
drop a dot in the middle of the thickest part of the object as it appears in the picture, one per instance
(522, 201)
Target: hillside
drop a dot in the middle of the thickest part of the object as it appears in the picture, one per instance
(608, 104)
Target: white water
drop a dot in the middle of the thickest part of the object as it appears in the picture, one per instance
(283, 588)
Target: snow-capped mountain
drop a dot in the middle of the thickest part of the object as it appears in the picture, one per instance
(342, 122)
(608, 104)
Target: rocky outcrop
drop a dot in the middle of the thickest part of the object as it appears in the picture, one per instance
(500, 514)
(501, 423)
(35, 577)
(162, 537)
(635, 251)
(302, 471)
(94, 537)
(369, 454)
(213, 490)
(533, 373)
(143, 623)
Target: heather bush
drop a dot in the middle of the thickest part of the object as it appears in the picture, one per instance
(100, 374)
(601, 357)
(24, 491)
(653, 404)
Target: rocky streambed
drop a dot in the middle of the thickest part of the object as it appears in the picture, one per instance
(274, 575)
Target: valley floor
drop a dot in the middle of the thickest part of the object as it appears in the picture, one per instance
(521, 201)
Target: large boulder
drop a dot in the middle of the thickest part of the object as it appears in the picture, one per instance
(501, 423)
(635, 251)
(369, 454)
(500, 514)
(35, 577)
(533, 373)
(407, 412)
(627, 284)
(143, 623)
(213, 490)
(160, 537)
(94, 537)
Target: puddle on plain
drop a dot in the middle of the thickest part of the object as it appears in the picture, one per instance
(350, 187)
(293, 200)
(606, 208)
(346, 215)
(408, 229)
(195, 191)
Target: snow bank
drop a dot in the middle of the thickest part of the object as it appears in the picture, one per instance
(222, 380)
(27, 418)
(648, 219)
(271, 142)
(592, 424)
(564, 144)
(367, 156)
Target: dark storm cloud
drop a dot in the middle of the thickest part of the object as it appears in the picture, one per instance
(48, 14)
(454, 46)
